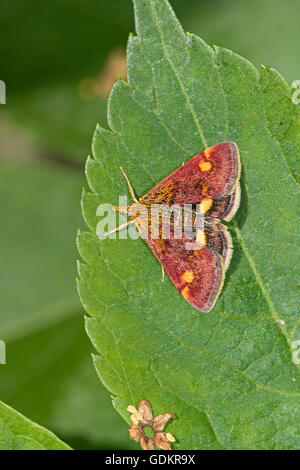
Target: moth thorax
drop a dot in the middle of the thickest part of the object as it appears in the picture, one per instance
(134, 210)
(122, 209)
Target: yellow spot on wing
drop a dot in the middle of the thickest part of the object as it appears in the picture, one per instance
(205, 205)
(187, 276)
(200, 237)
(185, 292)
(205, 166)
(207, 153)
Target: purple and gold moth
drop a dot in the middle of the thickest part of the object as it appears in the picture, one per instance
(207, 188)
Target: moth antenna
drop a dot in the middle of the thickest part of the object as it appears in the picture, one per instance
(129, 185)
(162, 274)
(121, 227)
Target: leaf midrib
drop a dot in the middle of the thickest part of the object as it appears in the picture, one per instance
(257, 276)
(189, 104)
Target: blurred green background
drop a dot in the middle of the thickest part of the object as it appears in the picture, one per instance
(59, 60)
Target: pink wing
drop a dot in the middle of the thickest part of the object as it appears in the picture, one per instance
(212, 173)
(197, 274)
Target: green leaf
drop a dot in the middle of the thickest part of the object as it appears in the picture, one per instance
(48, 374)
(227, 375)
(19, 433)
(254, 29)
(99, 426)
(283, 117)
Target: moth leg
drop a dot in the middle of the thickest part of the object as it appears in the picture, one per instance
(121, 227)
(129, 185)
(162, 274)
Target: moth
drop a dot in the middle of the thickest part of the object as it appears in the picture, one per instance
(207, 190)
